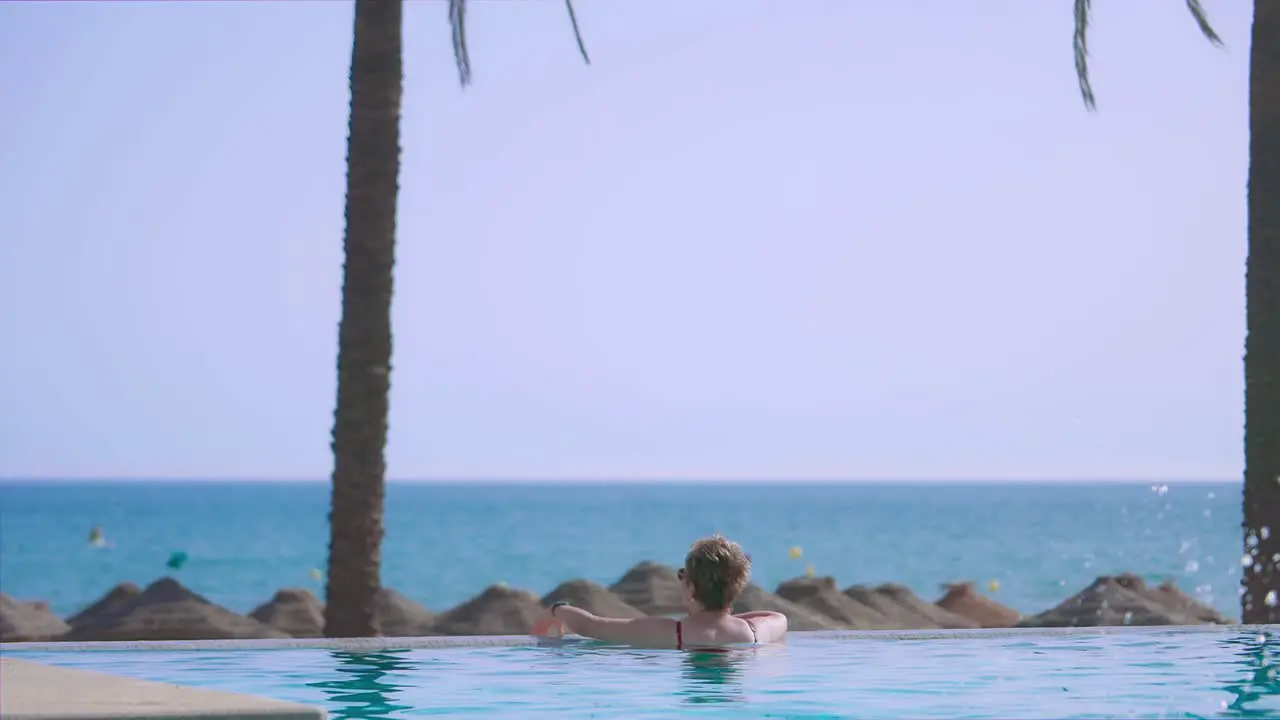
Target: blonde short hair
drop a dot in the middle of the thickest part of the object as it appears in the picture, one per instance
(718, 570)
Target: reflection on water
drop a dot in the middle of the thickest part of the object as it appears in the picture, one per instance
(363, 693)
(713, 677)
(1261, 679)
(1131, 672)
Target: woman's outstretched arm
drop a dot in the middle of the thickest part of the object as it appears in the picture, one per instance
(646, 631)
(756, 614)
(770, 626)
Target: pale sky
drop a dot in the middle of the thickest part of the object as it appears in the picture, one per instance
(754, 239)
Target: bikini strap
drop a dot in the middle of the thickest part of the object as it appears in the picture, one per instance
(680, 635)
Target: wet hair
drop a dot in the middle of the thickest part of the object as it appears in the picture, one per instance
(718, 571)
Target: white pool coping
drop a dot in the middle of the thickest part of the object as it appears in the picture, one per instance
(35, 691)
(431, 642)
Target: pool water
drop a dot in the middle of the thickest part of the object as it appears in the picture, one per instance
(1129, 672)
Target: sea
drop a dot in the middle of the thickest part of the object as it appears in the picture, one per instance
(1027, 545)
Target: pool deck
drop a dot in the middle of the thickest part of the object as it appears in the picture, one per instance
(34, 691)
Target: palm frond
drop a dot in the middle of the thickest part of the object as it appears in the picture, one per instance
(1202, 20)
(577, 34)
(458, 26)
(1081, 44)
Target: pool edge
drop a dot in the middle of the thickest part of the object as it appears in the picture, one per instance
(380, 644)
(38, 691)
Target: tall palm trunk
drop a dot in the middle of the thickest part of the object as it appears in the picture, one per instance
(1261, 599)
(364, 333)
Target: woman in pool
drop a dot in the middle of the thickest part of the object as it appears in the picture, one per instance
(715, 572)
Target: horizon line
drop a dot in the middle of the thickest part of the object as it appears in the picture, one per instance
(863, 480)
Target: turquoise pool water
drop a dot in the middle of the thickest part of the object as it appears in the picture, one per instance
(1124, 673)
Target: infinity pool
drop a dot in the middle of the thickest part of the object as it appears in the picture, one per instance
(1127, 672)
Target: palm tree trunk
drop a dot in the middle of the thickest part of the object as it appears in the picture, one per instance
(364, 333)
(1261, 598)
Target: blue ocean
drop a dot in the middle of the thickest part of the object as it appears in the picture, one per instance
(1039, 543)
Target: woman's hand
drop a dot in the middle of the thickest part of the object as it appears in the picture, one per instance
(548, 625)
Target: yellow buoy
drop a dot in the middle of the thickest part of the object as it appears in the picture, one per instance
(994, 585)
(809, 571)
(316, 574)
(796, 552)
